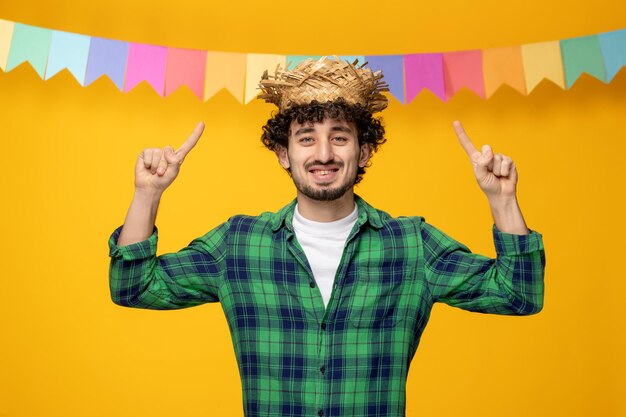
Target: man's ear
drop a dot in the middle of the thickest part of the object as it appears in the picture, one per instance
(281, 153)
(365, 154)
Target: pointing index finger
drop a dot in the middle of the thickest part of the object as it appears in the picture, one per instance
(467, 144)
(191, 140)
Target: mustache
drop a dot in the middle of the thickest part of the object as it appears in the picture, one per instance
(338, 164)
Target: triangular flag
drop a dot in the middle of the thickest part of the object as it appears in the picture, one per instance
(225, 70)
(542, 60)
(463, 69)
(351, 58)
(6, 34)
(30, 44)
(255, 66)
(185, 67)
(293, 60)
(503, 66)
(392, 67)
(582, 55)
(424, 71)
(146, 63)
(68, 50)
(107, 57)
(613, 45)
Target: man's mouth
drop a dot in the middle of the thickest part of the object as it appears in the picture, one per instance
(323, 172)
(324, 175)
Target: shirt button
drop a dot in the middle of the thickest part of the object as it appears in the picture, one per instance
(323, 326)
(320, 413)
(323, 369)
(312, 284)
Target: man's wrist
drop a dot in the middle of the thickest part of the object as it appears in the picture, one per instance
(507, 215)
(147, 196)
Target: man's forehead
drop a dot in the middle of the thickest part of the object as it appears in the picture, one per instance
(313, 124)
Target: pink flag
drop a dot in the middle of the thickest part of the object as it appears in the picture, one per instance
(146, 63)
(424, 71)
(463, 69)
(185, 67)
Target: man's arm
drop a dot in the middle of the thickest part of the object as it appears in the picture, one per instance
(513, 282)
(510, 284)
(192, 276)
(137, 277)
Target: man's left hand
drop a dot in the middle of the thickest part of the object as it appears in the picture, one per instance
(496, 173)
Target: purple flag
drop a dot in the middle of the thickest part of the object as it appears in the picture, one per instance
(107, 57)
(392, 67)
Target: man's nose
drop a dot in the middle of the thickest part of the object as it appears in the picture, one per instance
(324, 151)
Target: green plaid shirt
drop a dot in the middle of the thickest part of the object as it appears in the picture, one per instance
(298, 358)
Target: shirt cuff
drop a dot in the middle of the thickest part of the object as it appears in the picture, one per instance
(138, 250)
(511, 244)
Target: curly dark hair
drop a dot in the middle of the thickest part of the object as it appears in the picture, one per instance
(369, 129)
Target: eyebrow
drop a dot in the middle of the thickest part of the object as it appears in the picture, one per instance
(337, 128)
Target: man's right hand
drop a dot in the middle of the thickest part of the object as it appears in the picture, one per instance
(157, 168)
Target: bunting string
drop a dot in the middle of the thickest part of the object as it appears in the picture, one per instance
(166, 69)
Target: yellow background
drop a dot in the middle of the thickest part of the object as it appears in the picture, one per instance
(67, 159)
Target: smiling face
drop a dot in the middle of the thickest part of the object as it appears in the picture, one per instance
(323, 158)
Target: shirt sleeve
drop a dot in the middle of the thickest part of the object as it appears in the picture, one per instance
(511, 284)
(138, 278)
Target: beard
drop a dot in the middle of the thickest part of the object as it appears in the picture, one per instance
(325, 194)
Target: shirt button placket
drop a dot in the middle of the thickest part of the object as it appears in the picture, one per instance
(321, 380)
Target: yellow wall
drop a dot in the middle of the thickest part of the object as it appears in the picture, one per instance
(67, 158)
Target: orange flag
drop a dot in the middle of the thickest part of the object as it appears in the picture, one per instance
(225, 70)
(503, 66)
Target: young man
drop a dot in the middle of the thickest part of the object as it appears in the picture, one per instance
(326, 300)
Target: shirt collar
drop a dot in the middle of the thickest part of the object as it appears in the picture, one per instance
(367, 214)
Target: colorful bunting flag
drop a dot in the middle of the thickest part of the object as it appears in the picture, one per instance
(71, 51)
(225, 70)
(392, 67)
(107, 57)
(352, 58)
(256, 65)
(582, 55)
(613, 45)
(463, 69)
(29, 44)
(6, 34)
(424, 71)
(542, 61)
(146, 63)
(503, 66)
(293, 60)
(185, 67)
(205, 73)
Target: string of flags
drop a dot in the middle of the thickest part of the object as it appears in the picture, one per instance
(166, 69)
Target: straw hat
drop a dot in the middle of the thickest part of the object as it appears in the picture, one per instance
(325, 79)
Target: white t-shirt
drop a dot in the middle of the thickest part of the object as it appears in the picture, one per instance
(323, 244)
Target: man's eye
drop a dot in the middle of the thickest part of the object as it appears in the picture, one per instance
(306, 139)
(340, 139)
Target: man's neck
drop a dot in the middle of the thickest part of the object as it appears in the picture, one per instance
(326, 211)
